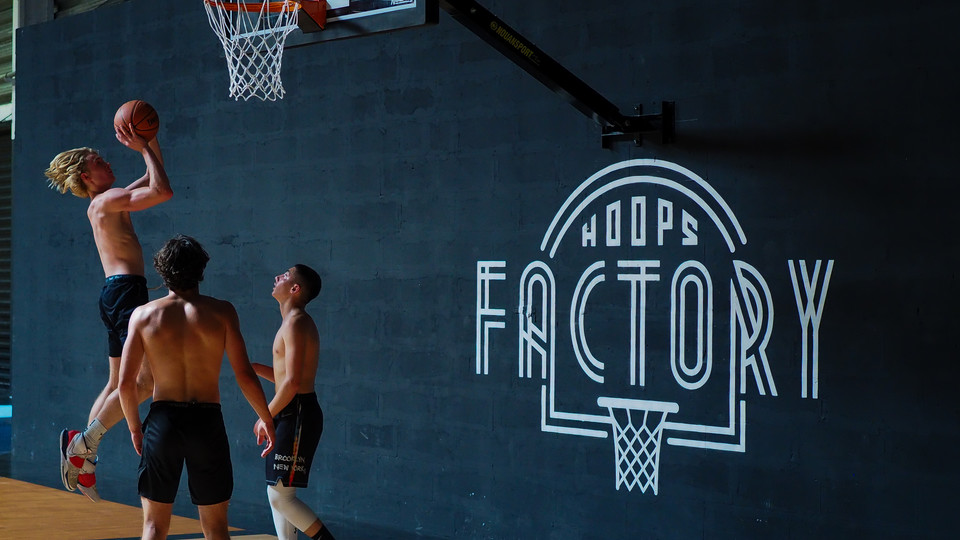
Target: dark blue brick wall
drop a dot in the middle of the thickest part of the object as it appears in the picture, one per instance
(397, 161)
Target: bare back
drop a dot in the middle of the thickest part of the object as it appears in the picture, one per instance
(184, 340)
(297, 347)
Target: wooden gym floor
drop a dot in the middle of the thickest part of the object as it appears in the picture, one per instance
(29, 511)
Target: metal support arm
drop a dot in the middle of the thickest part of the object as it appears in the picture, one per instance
(615, 125)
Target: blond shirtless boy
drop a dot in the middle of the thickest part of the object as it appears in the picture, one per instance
(295, 410)
(86, 174)
(182, 338)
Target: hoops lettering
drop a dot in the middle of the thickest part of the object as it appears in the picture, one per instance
(639, 298)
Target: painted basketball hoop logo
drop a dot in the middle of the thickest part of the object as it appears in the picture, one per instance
(642, 323)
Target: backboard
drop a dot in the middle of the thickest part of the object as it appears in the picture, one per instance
(353, 18)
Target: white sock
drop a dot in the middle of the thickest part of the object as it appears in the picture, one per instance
(93, 434)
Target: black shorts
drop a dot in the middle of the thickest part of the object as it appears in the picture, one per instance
(299, 426)
(175, 433)
(121, 294)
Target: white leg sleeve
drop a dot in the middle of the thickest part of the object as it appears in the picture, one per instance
(286, 506)
(285, 529)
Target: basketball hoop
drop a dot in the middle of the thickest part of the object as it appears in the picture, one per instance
(636, 448)
(252, 35)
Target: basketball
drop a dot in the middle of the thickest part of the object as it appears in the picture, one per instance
(142, 115)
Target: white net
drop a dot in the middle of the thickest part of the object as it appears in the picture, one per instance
(252, 35)
(637, 430)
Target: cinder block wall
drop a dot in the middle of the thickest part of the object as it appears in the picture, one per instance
(397, 163)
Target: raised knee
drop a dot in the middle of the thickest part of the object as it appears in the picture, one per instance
(145, 380)
(145, 386)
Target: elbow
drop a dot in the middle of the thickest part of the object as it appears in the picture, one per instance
(166, 193)
(124, 396)
(127, 389)
(249, 382)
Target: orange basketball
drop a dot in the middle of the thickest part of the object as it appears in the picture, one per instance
(142, 115)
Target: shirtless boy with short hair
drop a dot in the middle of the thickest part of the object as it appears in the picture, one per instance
(182, 338)
(297, 414)
(86, 174)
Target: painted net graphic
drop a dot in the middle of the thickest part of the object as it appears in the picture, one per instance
(641, 321)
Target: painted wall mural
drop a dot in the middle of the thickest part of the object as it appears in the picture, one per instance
(642, 322)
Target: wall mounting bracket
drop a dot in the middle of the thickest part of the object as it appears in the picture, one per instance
(615, 126)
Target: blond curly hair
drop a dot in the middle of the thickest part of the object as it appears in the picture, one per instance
(65, 170)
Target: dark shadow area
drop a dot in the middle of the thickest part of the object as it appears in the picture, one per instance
(255, 519)
(6, 434)
(763, 143)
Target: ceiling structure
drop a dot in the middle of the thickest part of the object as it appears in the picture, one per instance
(17, 13)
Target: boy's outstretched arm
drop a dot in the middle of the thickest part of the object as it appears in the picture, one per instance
(130, 362)
(144, 180)
(151, 189)
(247, 380)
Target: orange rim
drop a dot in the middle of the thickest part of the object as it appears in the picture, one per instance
(272, 7)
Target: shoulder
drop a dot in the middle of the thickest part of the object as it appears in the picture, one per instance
(152, 305)
(220, 307)
(108, 198)
(300, 322)
(145, 311)
(212, 302)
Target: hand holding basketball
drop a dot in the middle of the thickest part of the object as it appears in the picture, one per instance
(145, 120)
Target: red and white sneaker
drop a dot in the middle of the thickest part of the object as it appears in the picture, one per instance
(78, 464)
(77, 449)
(68, 471)
(87, 479)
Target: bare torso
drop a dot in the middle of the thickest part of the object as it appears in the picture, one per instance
(117, 242)
(299, 326)
(183, 342)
